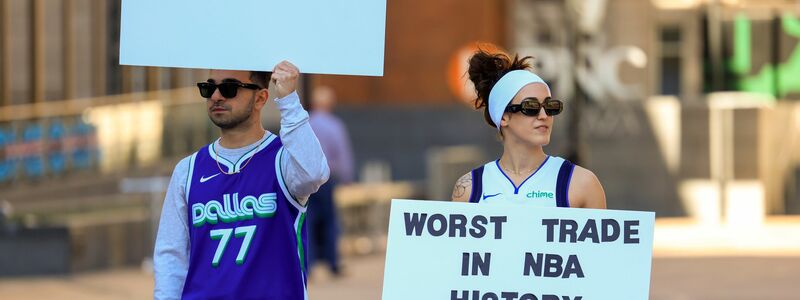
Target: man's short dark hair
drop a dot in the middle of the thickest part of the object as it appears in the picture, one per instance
(261, 78)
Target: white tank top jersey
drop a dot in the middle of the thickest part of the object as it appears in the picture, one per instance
(546, 187)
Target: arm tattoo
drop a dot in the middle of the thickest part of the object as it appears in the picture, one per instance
(461, 186)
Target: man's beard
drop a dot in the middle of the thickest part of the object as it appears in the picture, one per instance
(235, 120)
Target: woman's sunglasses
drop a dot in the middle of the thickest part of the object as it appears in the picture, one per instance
(531, 107)
(226, 89)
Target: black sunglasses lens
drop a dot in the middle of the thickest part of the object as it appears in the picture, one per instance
(553, 107)
(530, 107)
(228, 89)
(532, 112)
(206, 89)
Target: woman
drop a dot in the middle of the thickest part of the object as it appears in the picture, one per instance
(518, 103)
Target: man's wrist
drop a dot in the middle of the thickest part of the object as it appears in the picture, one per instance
(291, 109)
(291, 96)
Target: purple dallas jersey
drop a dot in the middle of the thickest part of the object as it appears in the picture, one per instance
(247, 234)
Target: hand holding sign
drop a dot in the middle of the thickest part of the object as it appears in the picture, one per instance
(284, 76)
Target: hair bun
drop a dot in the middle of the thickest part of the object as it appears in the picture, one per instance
(486, 68)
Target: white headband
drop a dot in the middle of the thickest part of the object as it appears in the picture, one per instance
(506, 88)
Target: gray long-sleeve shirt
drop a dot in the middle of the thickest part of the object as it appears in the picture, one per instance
(306, 170)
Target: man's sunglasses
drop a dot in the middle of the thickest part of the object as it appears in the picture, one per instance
(531, 107)
(226, 89)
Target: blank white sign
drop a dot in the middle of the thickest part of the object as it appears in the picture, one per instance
(319, 36)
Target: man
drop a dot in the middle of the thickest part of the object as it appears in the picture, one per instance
(232, 226)
(323, 225)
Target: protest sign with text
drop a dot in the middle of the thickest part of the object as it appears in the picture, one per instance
(447, 250)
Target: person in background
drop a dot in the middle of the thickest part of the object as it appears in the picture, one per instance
(323, 225)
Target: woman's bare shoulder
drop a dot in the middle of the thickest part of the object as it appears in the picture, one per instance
(585, 189)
